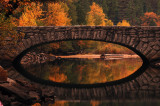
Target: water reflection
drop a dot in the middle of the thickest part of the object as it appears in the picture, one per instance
(84, 71)
(106, 103)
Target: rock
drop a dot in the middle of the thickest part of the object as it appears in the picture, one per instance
(16, 104)
(17, 93)
(3, 74)
(33, 58)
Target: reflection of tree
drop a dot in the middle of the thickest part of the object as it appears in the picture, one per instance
(85, 47)
(85, 71)
(56, 75)
(94, 103)
(60, 103)
(124, 68)
(39, 70)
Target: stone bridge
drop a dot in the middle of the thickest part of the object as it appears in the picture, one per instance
(145, 41)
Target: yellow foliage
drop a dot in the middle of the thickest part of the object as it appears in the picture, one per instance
(123, 23)
(31, 14)
(36, 104)
(108, 22)
(96, 16)
(57, 15)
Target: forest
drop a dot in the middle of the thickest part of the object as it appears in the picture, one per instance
(15, 13)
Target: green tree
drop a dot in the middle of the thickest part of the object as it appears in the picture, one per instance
(72, 12)
(82, 9)
(158, 7)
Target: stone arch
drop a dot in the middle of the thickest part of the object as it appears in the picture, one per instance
(143, 40)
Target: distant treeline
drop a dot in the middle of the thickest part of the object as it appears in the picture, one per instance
(115, 10)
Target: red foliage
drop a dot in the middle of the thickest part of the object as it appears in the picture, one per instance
(150, 18)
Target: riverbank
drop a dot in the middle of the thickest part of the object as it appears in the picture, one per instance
(98, 56)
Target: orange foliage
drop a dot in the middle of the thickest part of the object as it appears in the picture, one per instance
(31, 14)
(37, 104)
(80, 67)
(150, 18)
(117, 49)
(3, 5)
(56, 76)
(123, 23)
(60, 103)
(94, 103)
(96, 16)
(57, 15)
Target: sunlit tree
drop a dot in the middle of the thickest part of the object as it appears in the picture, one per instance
(8, 33)
(57, 15)
(96, 16)
(31, 15)
(123, 23)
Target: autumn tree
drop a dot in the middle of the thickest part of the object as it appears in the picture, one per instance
(150, 19)
(57, 15)
(31, 15)
(96, 16)
(8, 33)
(123, 23)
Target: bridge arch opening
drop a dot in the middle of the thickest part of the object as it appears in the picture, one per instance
(19, 68)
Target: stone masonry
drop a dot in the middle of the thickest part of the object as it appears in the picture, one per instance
(145, 41)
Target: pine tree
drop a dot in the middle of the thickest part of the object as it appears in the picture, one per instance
(72, 12)
(158, 7)
(82, 9)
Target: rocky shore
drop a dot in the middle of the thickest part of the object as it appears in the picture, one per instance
(33, 58)
(19, 92)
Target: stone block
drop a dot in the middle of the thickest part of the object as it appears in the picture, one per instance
(151, 73)
(41, 39)
(151, 44)
(20, 47)
(37, 41)
(151, 54)
(48, 36)
(32, 40)
(124, 39)
(29, 42)
(140, 46)
(30, 34)
(120, 37)
(24, 41)
(143, 48)
(128, 39)
(144, 39)
(147, 50)
(3, 74)
(115, 37)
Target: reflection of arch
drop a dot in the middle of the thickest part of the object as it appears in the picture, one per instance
(142, 40)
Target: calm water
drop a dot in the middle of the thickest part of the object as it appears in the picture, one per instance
(84, 71)
(106, 103)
